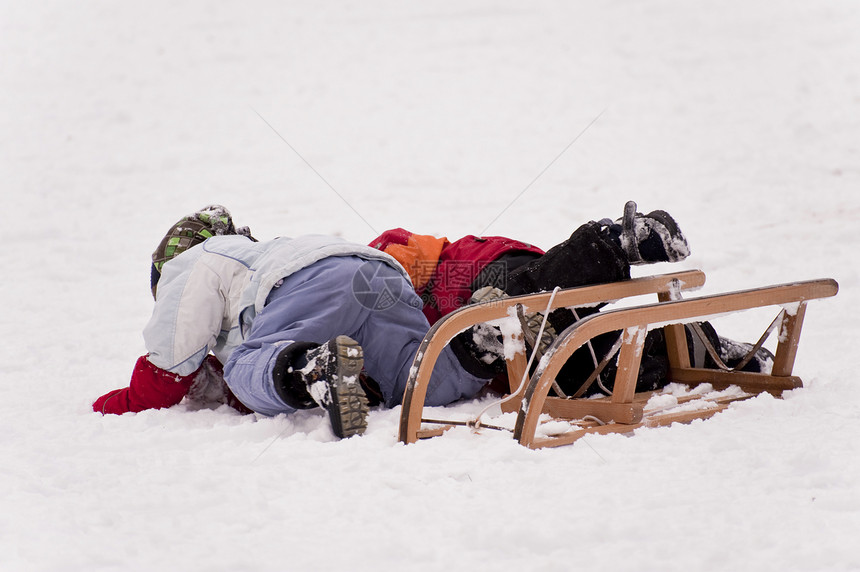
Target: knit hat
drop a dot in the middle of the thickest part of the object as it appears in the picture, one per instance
(191, 230)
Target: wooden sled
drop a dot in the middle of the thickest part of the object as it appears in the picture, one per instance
(624, 410)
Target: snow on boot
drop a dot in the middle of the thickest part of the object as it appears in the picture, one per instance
(654, 237)
(326, 375)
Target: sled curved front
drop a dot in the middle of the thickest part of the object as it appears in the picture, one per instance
(622, 412)
(443, 331)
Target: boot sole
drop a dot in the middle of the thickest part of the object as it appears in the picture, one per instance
(348, 408)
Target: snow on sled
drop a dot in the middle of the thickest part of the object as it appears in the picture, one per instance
(545, 420)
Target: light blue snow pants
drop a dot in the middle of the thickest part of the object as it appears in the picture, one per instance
(368, 301)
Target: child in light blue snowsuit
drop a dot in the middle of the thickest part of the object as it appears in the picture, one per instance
(246, 301)
(367, 300)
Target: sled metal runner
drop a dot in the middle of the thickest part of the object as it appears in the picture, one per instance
(623, 410)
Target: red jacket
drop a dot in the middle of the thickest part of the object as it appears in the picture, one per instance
(441, 270)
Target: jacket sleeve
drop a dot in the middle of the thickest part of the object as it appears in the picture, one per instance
(150, 388)
(418, 254)
(389, 237)
(188, 314)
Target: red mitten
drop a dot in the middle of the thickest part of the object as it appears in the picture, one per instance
(150, 388)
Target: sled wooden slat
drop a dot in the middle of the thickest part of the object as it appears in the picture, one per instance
(789, 336)
(632, 320)
(682, 416)
(603, 410)
(443, 331)
(628, 364)
(435, 432)
(757, 382)
(572, 436)
(676, 340)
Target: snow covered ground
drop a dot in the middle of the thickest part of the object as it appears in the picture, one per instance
(741, 118)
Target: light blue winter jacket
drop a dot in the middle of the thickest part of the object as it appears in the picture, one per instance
(208, 296)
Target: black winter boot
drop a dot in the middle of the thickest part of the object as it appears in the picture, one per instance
(327, 375)
(480, 351)
(650, 238)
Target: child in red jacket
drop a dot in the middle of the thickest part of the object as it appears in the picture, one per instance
(446, 274)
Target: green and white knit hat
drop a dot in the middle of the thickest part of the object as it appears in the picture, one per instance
(191, 230)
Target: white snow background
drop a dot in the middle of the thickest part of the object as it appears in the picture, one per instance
(740, 118)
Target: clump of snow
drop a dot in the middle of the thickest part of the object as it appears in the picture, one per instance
(554, 428)
(487, 343)
(319, 388)
(661, 401)
(320, 392)
(512, 338)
